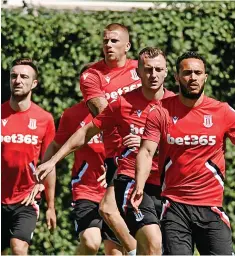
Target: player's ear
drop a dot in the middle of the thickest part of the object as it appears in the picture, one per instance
(176, 78)
(128, 47)
(206, 76)
(166, 73)
(35, 83)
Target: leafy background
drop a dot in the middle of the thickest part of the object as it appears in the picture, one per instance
(63, 41)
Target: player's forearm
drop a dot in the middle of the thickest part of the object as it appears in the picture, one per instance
(76, 141)
(49, 184)
(51, 150)
(143, 167)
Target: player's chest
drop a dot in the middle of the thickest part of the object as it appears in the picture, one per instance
(133, 119)
(22, 130)
(194, 127)
(116, 84)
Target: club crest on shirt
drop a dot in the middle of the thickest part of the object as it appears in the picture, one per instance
(32, 124)
(175, 119)
(208, 121)
(107, 78)
(134, 75)
(138, 112)
(4, 122)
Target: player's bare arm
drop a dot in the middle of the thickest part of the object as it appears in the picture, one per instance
(143, 167)
(97, 105)
(49, 183)
(76, 141)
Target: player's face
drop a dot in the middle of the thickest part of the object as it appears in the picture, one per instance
(152, 72)
(22, 80)
(115, 45)
(191, 78)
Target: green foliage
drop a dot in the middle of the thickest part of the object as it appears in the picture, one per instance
(62, 42)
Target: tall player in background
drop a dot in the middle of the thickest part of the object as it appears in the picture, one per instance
(86, 190)
(27, 130)
(189, 129)
(128, 114)
(100, 84)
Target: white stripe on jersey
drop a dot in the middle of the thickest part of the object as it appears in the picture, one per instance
(166, 168)
(214, 171)
(126, 193)
(81, 173)
(32, 167)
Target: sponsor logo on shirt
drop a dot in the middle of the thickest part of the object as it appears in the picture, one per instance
(20, 138)
(4, 122)
(136, 130)
(96, 139)
(120, 91)
(207, 121)
(85, 76)
(192, 140)
(138, 112)
(32, 124)
(175, 119)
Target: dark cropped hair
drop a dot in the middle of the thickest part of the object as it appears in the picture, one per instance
(26, 61)
(189, 55)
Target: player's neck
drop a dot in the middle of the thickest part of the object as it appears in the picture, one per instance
(19, 104)
(153, 95)
(191, 103)
(116, 63)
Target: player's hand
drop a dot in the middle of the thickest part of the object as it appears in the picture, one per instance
(102, 178)
(131, 140)
(51, 218)
(31, 197)
(43, 169)
(136, 198)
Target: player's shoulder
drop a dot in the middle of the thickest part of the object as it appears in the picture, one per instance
(168, 93)
(170, 99)
(132, 63)
(5, 105)
(76, 109)
(40, 112)
(76, 113)
(97, 67)
(215, 104)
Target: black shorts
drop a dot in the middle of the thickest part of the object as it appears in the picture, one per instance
(185, 225)
(85, 214)
(148, 208)
(111, 171)
(18, 221)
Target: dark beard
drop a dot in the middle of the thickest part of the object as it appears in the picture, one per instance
(190, 95)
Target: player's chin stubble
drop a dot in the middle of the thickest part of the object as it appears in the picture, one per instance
(187, 94)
